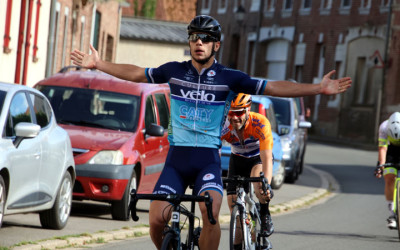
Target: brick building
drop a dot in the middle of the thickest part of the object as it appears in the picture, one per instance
(305, 39)
(38, 35)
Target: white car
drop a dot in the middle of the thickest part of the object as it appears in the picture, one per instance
(37, 169)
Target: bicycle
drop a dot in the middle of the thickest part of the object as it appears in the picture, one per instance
(172, 235)
(247, 220)
(396, 193)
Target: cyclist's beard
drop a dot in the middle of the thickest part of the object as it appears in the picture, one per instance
(206, 60)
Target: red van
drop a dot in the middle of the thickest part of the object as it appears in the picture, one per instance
(118, 131)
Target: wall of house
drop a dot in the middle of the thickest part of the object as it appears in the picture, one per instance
(150, 54)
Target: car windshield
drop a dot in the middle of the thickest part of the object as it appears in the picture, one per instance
(93, 108)
(282, 111)
(2, 97)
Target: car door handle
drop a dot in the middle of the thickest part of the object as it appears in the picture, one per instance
(36, 155)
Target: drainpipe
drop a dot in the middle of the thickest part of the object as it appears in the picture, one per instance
(20, 42)
(27, 43)
(50, 40)
(381, 91)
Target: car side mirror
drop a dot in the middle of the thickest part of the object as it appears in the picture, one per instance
(25, 130)
(304, 124)
(154, 130)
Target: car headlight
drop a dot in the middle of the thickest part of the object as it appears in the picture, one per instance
(286, 148)
(114, 157)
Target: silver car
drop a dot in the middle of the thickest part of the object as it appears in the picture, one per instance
(37, 169)
(293, 137)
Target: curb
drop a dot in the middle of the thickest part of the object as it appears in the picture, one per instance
(329, 187)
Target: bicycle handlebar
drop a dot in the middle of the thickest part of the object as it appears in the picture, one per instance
(243, 180)
(175, 199)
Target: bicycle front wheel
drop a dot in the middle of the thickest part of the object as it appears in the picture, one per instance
(169, 242)
(236, 229)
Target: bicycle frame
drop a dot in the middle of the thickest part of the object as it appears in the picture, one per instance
(177, 211)
(245, 200)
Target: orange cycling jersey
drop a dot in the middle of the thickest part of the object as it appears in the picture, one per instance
(257, 136)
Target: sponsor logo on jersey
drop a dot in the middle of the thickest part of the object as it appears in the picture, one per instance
(199, 114)
(198, 95)
(211, 73)
(208, 177)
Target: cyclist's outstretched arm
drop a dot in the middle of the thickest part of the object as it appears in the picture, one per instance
(327, 86)
(128, 72)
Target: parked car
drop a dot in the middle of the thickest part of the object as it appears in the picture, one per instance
(263, 105)
(290, 128)
(304, 114)
(118, 131)
(37, 170)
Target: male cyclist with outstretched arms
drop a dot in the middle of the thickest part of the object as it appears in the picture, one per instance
(251, 140)
(201, 92)
(389, 152)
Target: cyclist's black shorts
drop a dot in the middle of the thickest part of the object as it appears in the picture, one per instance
(393, 154)
(241, 166)
(190, 165)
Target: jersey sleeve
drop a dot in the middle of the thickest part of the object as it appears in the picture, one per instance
(263, 131)
(160, 74)
(243, 83)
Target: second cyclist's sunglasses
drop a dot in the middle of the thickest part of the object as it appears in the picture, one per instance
(203, 37)
(237, 113)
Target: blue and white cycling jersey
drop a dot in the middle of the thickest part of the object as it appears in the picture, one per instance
(201, 101)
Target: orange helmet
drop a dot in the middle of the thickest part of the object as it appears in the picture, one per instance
(241, 101)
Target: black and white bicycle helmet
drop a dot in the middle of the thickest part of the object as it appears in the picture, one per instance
(394, 126)
(205, 24)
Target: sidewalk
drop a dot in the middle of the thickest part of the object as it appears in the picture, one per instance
(312, 187)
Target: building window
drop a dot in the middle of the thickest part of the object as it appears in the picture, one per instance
(345, 7)
(276, 58)
(109, 48)
(364, 7)
(384, 7)
(287, 8)
(96, 35)
(269, 8)
(205, 7)
(363, 83)
(305, 8)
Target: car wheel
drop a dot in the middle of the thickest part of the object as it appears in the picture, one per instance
(278, 179)
(57, 216)
(292, 176)
(120, 209)
(3, 198)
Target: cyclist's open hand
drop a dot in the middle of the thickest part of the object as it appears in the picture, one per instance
(85, 60)
(334, 86)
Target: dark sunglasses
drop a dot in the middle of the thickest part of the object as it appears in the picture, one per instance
(237, 113)
(203, 37)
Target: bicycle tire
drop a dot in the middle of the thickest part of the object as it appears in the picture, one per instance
(169, 242)
(398, 207)
(235, 224)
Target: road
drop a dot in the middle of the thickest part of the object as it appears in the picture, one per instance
(354, 218)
